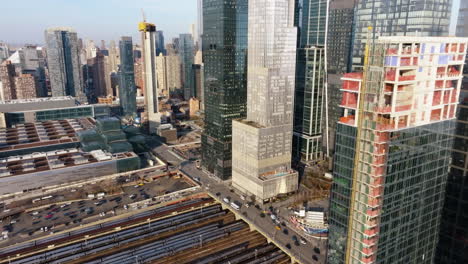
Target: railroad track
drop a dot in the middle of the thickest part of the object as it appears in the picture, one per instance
(215, 250)
(102, 256)
(11, 254)
(191, 232)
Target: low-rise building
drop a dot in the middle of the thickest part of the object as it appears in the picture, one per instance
(50, 168)
(28, 138)
(194, 105)
(44, 109)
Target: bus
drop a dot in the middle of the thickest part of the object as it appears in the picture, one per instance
(236, 205)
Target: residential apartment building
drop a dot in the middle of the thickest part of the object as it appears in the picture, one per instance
(393, 149)
(63, 63)
(16, 85)
(161, 72)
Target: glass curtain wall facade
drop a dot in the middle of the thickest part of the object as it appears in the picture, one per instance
(393, 150)
(63, 62)
(340, 32)
(398, 18)
(414, 190)
(310, 81)
(186, 56)
(160, 47)
(127, 89)
(225, 74)
(339, 44)
(453, 248)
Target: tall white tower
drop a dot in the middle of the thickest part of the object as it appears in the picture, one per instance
(262, 143)
(148, 38)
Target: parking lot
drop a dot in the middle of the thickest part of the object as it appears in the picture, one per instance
(57, 216)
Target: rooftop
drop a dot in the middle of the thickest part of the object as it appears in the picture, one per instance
(250, 123)
(408, 39)
(35, 100)
(46, 133)
(36, 104)
(53, 160)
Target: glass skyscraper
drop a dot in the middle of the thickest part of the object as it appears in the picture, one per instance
(63, 62)
(339, 46)
(127, 89)
(310, 81)
(392, 152)
(453, 247)
(340, 32)
(398, 18)
(186, 57)
(160, 48)
(225, 73)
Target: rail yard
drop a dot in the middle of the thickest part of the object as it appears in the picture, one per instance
(194, 229)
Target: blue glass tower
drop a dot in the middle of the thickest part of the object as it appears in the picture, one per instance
(127, 88)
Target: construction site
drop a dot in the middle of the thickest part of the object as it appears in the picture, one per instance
(394, 136)
(191, 230)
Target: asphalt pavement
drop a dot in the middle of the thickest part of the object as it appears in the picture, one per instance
(67, 214)
(305, 253)
(312, 252)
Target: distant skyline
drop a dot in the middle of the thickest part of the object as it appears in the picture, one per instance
(24, 22)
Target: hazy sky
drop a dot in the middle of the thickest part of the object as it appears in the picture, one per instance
(24, 21)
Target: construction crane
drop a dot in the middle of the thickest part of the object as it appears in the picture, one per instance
(143, 15)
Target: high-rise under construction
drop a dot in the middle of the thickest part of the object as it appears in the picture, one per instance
(392, 150)
(148, 38)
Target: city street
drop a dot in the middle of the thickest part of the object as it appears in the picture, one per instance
(312, 252)
(265, 224)
(163, 151)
